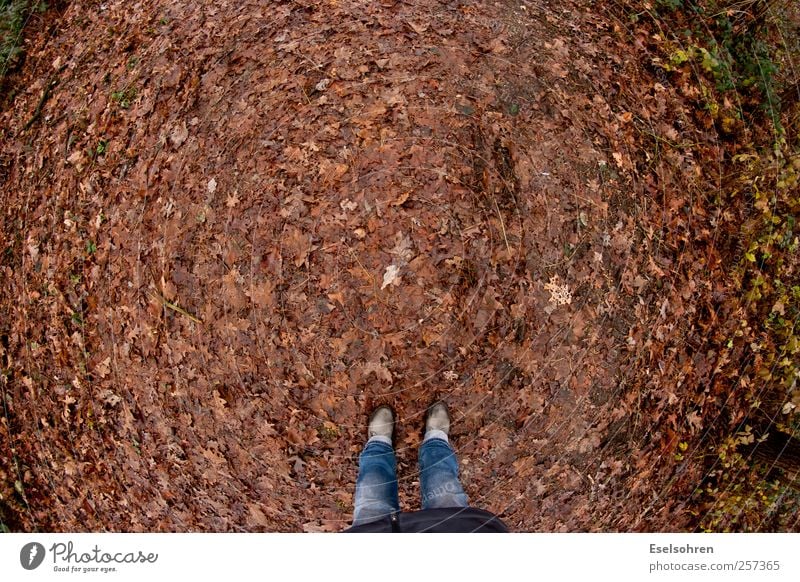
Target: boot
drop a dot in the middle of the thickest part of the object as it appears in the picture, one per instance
(438, 418)
(381, 422)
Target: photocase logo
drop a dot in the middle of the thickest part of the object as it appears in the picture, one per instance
(31, 555)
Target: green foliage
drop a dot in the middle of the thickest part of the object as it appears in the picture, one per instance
(750, 64)
(738, 498)
(328, 431)
(124, 97)
(725, 59)
(669, 4)
(12, 18)
(733, 58)
(769, 275)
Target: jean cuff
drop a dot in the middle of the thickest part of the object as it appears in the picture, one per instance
(379, 438)
(435, 434)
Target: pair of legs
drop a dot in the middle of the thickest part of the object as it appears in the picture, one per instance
(376, 487)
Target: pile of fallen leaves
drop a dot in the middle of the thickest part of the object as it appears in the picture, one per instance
(231, 229)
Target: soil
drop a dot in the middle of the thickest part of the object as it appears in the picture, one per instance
(235, 227)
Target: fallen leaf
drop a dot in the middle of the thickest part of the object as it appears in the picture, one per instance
(103, 368)
(322, 85)
(418, 28)
(110, 398)
(559, 293)
(694, 420)
(77, 159)
(400, 200)
(381, 372)
(179, 134)
(391, 276)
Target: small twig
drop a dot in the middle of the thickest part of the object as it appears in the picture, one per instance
(502, 227)
(37, 113)
(360, 264)
(175, 307)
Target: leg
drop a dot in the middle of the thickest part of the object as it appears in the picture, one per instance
(438, 469)
(376, 486)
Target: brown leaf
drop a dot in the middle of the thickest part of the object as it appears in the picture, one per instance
(262, 294)
(179, 134)
(400, 200)
(380, 371)
(391, 276)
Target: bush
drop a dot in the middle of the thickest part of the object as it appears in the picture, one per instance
(12, 19)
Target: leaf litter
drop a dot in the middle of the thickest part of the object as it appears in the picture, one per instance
(362, 207)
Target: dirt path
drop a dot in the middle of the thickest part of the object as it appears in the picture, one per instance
(241, 224)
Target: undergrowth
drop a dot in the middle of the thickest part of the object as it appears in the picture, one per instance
(740, 60)
(740, 498)
(13, 14)
(733, 48)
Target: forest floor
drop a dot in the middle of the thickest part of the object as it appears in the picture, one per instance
(231, 228)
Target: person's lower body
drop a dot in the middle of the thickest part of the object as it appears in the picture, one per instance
(376, 487)
(438, 473)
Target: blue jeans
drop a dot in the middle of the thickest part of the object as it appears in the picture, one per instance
(376, 486)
